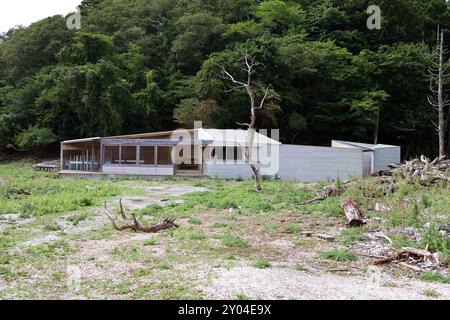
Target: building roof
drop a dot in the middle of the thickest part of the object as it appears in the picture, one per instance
(232, 137)
(215, 137)
(364, 146)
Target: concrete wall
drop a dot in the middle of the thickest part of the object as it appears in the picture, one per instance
(139, 170)
(227, 171)
(312, 164)
(386, 156)
(300, 163)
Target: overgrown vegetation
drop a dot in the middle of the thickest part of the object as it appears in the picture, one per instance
(435, 277)
(259, 227)
(338, 255)
(48, 194)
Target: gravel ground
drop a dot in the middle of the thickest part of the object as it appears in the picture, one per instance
(282, 283)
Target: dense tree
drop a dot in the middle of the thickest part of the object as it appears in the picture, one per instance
(146, 65)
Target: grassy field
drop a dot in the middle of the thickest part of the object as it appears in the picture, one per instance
(57, 244)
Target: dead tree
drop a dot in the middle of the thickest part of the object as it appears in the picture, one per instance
(438, 74)
(135, 225)
(250, 66)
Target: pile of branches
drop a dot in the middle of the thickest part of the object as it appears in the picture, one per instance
(426, 171)
(412, 258)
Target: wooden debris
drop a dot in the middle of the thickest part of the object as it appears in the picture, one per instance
(136, 225)
(328, 192)
(307, 234)
(353, 213)
(326, 237)
(426, 171)
(19, 192)
(410, 256)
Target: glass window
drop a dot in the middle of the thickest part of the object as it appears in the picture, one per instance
(112, 155)
(148, 155)
(129, 155)
(164, 156)
(234, 153)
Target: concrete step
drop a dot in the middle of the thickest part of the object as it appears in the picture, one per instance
(190, 173)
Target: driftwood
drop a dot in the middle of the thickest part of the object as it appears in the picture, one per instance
(426, 171)
(353, 213)
(19, 192)
(328, 192)
(410, 255)
(136, 225)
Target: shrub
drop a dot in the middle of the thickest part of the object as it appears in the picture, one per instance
(76, 219)
(262, 264)
(219, 225)
(232, 241)
(35, 137)
(293, 228)
(300, 267)
(150, 242)
(352, 235)
(432, 293)
(435, 241)
(435, 277)
(52, 227)
(195, 220)
(338, 255)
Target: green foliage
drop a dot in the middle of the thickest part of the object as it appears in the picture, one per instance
(76, 219)
(435, 277)
(50, 195)
(400, 241)
(338, 255)
(300, 266)
(432, 293)
(280, 15)
(242, 296)
(352, 235)
(35, 138)
(233, 241)
(293, 228)
(195, 220)
(262, 264)
(435, 241)
(52, 227)
(150, 242)
(191, 110)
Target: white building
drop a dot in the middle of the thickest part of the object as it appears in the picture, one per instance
(222, 154)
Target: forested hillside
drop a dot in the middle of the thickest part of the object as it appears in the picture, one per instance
(145, 65)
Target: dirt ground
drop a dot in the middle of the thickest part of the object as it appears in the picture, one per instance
(92, 261)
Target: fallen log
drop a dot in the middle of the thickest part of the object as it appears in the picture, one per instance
(354, 215)
(136, 225)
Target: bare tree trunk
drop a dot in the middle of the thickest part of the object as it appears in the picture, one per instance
(441, 124)
(377, 128)
(249, 154)
(437, 99)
